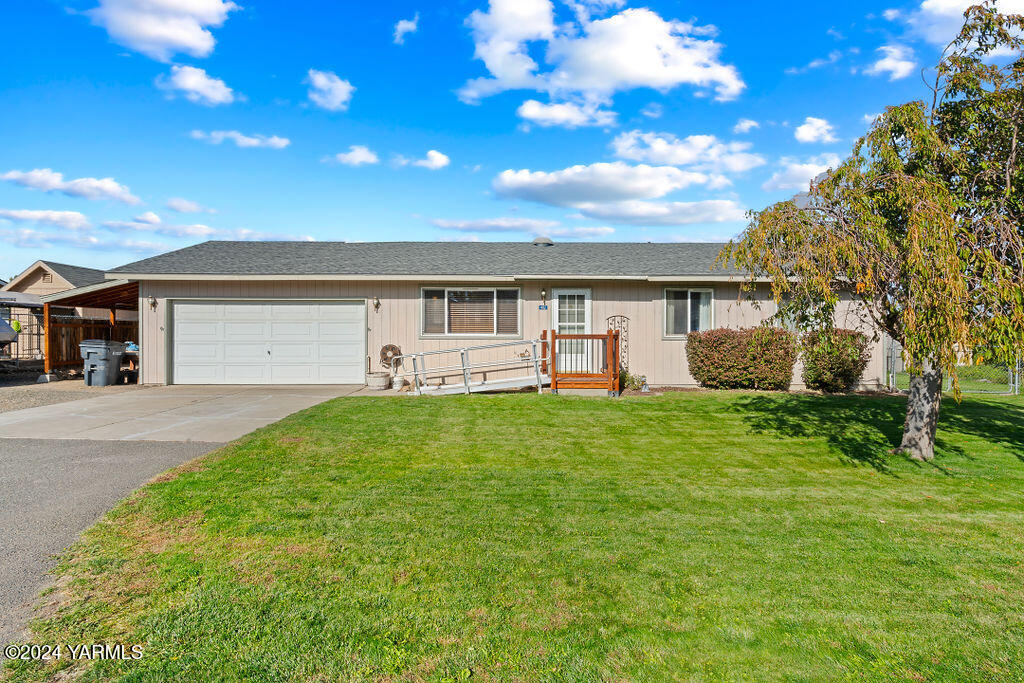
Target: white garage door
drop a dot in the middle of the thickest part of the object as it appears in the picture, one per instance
(269, 342)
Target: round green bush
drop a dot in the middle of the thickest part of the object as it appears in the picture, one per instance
(834, 360)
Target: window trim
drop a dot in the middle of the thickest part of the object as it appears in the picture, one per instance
(473, 335)
(664, 308)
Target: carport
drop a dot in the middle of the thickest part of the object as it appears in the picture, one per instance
(64, 328)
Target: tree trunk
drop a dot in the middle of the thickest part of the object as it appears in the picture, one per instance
(922, 413)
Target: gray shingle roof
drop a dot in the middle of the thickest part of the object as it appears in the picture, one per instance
(608, 259)
(78, 276)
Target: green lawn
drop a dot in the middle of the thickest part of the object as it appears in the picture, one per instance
(694, 535)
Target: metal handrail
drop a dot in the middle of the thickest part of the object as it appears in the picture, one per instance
(420, 371)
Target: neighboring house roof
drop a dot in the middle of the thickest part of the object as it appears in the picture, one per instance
(74, 276)
(20, 300)
(433, 259)
(78, 276)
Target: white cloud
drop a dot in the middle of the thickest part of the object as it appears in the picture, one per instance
(815, 130)
(832, 58)
(216, 137)
(602, 182)
(357, 155)
(796, 174)
(500, 36)
(182, 205)
(579, 233)
(69, 220)
(197, 230)
(705, 152)
(896, 60)
(532, 225)
(434, 160)
(745, 126)
(329, 92)
(593, 60)
(48, 180)
(148, 217)
(404, 27)
(869, 118)
(939, 21)
(584, 9)
(197, 86)
(565, 114)
(892, 14)
(637, 48)
(633, 212)
(653, 110)
(162, 28)
(166, 229)
(30, 238)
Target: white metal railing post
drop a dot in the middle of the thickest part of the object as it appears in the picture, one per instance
(536, 368)
(465, 367)
(415, 375)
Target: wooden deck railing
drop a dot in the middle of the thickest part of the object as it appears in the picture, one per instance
(582, 361)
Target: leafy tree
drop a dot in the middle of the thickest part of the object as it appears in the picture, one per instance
(922, 224)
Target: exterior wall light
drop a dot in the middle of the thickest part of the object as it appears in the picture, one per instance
(376, 304)
(152, 303)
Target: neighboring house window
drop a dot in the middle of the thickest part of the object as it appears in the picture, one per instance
(687, 310)
(47, 277)
(473, 311)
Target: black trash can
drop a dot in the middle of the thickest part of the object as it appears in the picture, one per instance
(102, 362)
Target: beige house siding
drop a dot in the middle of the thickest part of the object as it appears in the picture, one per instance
(397, 321)
(33, 283)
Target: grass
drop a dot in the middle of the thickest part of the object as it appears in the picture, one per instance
(693, 535)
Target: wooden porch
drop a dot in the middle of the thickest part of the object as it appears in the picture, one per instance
(582, 361)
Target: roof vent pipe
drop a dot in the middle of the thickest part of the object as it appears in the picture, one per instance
(543, 242)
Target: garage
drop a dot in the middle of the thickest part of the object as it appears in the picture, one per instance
(268, 342)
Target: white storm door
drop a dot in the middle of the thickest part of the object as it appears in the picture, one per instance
(269, 342)
(571, 315)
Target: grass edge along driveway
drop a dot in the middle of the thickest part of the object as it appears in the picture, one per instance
(693, 535)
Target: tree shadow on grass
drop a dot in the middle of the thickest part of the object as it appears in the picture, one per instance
(866, 429)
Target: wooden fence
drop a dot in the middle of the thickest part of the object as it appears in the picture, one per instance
(63, 335)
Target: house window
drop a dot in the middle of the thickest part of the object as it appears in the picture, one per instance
(470, 311)
(687, 310)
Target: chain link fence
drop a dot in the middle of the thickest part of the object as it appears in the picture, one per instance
(975, 378)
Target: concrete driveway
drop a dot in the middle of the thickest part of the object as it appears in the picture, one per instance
(95, 451)
(175, 413)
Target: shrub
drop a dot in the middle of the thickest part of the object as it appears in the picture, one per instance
(754, 358)
(628, 380)
(833, 360)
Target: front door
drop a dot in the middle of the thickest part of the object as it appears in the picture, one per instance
(571, 315)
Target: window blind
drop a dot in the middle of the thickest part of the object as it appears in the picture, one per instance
(508, 311)
(470, 312)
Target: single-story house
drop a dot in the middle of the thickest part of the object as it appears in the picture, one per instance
(320, 312)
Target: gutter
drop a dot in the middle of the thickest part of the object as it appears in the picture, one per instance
(87, 289)
(124, 277)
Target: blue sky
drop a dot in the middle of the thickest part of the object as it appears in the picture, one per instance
(499, 120)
